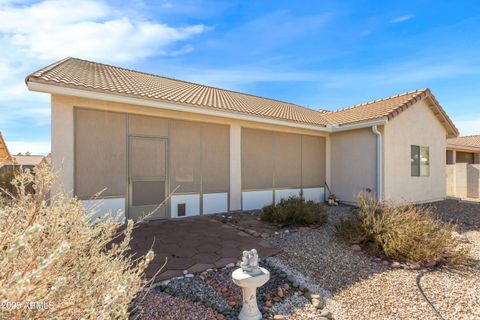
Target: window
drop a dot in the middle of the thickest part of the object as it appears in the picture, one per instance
(419, 161)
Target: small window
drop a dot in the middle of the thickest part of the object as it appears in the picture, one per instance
(419, 161)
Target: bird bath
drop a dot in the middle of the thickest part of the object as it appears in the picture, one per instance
(249, 277)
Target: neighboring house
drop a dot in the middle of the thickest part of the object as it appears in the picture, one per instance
(28, 162)
(463, 167)
(141, 136)
(5, 156)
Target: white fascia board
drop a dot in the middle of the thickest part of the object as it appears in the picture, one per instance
(360, 125)
(55, 89)
(462, 148)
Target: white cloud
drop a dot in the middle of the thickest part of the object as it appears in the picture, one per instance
(33, 34)
(89, 29)
(402, 18)
(34, 147)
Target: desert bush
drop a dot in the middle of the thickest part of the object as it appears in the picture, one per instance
(403, 233)
(6, 178)
(295, 211)
(57, 265)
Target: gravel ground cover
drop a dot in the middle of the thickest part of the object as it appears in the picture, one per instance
(316, 254)
(360, 287)
(213, 295)
(158, 306)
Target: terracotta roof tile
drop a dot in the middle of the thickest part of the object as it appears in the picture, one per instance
(466, 141)
(389, 108)
(72, 72)
(87, 75)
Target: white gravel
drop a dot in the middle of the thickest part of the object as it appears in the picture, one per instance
(363, 289)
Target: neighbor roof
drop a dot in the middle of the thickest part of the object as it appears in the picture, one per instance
(28, 160)
(5, 156)
(92, 76)
(466, 141)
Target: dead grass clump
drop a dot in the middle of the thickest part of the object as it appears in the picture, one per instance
(402, 233)
(57, 265)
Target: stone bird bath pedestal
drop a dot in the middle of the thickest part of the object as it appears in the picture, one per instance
(249, 277)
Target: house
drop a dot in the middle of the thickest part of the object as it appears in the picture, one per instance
(28, 162)
(463, 167)
(5, 156)
(139, 137)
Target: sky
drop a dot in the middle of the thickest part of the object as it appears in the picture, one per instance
(319, 54)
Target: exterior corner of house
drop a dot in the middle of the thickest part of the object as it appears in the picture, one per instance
(235, 167)
(62, 139)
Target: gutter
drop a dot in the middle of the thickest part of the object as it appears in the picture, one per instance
(111, 97)
(359, 125)
(379, 168)
(57, 89)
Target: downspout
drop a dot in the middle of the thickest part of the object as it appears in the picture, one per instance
(378, 187)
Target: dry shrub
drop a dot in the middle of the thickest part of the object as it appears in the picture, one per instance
(403, 233)
(295, 211)
(52, 256)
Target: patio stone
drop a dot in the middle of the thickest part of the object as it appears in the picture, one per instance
(194, 244)
(199, 267)
(185, 252)
(206, 257)
(229, 252)
(224, 261)
(208, 248)
(179, 263)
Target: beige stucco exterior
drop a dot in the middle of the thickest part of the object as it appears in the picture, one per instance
(352, 163)
(63, 142)
(63, 138)
(349, 165)
(417, 125)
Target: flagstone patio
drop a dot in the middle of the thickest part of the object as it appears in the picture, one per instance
(194, 244)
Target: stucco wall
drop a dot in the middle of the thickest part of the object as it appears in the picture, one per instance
(415, 126)
(63, 135)
(352, 163)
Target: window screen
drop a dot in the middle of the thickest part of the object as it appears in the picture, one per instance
(147, 157)
(419, 161)
(313, 161)
(144, 125)
(288, 160)
(185, 156)
(146, 193)
(100, 153)
(257, 159)
(215, 158)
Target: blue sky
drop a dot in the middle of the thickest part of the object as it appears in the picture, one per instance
(320, 54)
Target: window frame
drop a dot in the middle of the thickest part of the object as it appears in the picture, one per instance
(416, 163)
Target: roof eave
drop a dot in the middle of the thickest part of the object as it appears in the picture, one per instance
(40, 86)
(359, 125)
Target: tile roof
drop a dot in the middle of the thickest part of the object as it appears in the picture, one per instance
(72, 72)
(389, 108)
(28, 160)
(466, 141)
(87, 75)
(5, 156)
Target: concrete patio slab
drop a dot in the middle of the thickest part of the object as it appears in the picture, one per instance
(194, 244)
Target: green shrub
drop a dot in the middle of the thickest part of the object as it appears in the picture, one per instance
(50, 255)
(402, 233)
(295, 211)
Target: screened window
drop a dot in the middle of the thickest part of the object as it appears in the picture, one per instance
(419, 161)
